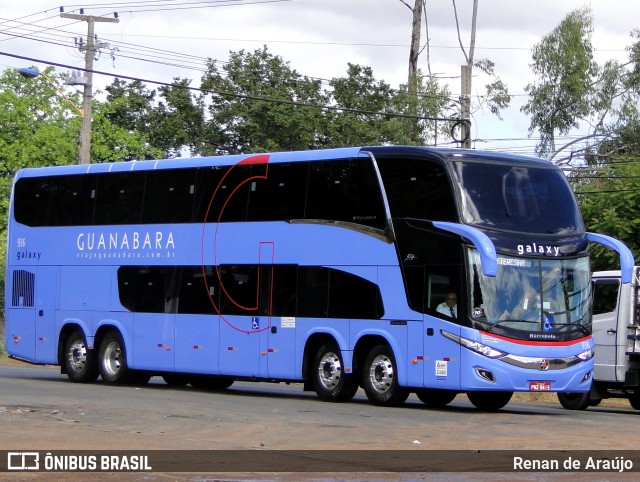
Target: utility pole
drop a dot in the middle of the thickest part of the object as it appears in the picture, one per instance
(465, 81)
(414, 53)
(87, 98)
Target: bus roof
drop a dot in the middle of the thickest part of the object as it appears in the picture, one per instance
(277, 157)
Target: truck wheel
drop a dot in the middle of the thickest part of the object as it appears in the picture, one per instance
(79, 362)
(489, 401)
(330, 381)
(634, 400)
(574, 401)
(380, 378)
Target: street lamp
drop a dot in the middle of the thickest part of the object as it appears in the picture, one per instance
(85, 132)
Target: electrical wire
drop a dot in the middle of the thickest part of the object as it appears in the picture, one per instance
(238, 96)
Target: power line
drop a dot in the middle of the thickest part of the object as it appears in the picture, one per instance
(159, 7)
(240, 96)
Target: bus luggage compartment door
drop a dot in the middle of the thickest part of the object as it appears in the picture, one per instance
(20, 326)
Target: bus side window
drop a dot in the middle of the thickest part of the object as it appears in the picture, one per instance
(169, 196)
(351, 296)
(417, 188)
(345, 190)
(220, 194)
(238, 294)
(605, 296)
(313, 291)
(33, 200)
(279, 197)
(119, 198)
(142, 288)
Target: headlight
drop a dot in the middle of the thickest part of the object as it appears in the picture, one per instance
(586, 355)
(484, 350)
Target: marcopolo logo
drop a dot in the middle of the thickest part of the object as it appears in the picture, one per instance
(138, 244)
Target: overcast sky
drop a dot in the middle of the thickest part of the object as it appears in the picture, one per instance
(163, 39)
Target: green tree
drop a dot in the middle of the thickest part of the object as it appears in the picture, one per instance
(431, 101)
(39, 128)
(563, 62)
(167, 123)
(359, 94)
(608, 191)
(243, 117)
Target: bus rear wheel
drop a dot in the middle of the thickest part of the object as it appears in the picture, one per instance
(380, 378)
(330, 381)
(112, 361)
(434, 398)
(489, 401)
(79, 362)
(574, 401)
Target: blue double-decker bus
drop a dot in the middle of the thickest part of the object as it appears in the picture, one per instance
(325, 267)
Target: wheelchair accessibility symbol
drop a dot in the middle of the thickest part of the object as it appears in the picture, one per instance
(255, 323)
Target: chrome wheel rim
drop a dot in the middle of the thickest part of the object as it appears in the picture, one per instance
(381, 374)
(77, 356)
(112, 358)
(330, 371)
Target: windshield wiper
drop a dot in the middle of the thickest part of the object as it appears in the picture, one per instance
(582, 328)
(494, 324)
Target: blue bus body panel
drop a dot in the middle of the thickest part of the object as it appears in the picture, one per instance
(197, 341)
(510, 377)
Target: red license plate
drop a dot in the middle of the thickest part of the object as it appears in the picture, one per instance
(539, 386)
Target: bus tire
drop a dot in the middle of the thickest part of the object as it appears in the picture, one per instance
(211, 382)
(435, 398)
(489, 401)
(79, 361)
(112, 360)
(380, 378)
(574, 400)
(634, 399)
(175, 379)
(330, 381)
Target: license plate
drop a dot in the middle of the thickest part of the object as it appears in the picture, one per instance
(539, 386)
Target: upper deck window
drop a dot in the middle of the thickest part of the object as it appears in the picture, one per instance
(517, 198)
(417, 188)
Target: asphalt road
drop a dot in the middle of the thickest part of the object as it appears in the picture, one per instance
(41, 410)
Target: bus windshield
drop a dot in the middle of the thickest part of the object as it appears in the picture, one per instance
(517, 198)
(532, 299)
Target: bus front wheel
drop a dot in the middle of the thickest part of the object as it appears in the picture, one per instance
(112, 360)
(330, 381)
(79, 362)
(380, 378)
(489, 401)
(574, 401)
(435, 398)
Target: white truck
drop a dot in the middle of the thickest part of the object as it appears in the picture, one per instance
(616, 332)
